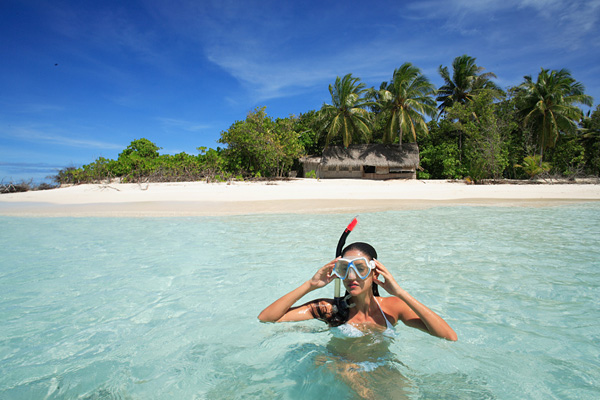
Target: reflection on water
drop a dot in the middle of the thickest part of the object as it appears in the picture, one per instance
(320, 372)
(366, 365)
(372, 346)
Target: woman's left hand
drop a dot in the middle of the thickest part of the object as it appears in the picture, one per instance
(389, 284)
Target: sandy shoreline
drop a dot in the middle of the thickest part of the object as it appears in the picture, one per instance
(294, 196)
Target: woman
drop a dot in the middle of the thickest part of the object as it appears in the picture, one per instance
(361, 273)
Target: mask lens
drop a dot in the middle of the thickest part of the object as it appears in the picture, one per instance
(341, 268)
(362, 267)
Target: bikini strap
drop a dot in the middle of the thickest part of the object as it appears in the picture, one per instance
(387, 323)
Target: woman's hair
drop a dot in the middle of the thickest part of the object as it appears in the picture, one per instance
(363, 247)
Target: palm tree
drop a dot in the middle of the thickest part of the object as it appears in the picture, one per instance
(347, 115)
(548, 105)
(466, 81)
(404, 103)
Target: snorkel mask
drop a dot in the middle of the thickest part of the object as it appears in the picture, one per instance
(361, 266)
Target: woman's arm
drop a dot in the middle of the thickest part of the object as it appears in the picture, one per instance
(282, 310)
(412, 312)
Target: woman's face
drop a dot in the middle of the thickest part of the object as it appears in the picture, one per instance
(353, 284)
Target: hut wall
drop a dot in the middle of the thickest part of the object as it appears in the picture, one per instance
(391, 175)
(347, 172)
(308, 166)
(356, 172)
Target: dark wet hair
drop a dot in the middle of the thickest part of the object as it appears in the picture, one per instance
(363, 248)
(368, 250)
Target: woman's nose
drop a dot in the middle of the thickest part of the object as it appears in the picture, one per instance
(351, 273)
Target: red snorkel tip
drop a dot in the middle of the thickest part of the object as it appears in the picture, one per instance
(352, 224)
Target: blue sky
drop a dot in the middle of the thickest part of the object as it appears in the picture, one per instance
(82, 79)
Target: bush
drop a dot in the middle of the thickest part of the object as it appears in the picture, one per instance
(567, 156)
(532, 167)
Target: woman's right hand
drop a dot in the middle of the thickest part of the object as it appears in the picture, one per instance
(323, 276)
(283, 310)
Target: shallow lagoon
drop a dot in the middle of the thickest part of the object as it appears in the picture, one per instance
(166, 308)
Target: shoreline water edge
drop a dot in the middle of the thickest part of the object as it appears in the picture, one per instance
(287, 196)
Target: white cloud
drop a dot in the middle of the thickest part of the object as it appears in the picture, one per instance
(36, 135)
(564, 23)
(258, 47)
(185, 125)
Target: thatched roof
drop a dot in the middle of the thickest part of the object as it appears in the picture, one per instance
(310, 159)
(377, 155)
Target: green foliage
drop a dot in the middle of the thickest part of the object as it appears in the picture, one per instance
(467, 80)
(212, 162)
(567, 156)
(592, 157)
(142, 148)
(486, 155)
(439, 152)
(533, 166)
(404, 103)
(548, 105)
(69, 175)
(308, 127)
(312, 174)
(140, 161)
(99, 170)
(260, 146)
(517, 141)
(441, 161)
(590, 139)
(347, 116)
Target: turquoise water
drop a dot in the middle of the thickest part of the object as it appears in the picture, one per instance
(166, 308)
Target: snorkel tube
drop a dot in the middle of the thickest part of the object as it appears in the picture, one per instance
(340, 310)
(338, 252)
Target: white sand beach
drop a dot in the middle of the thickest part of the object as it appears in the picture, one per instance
(290, 196)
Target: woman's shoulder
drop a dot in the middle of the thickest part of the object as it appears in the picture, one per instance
(392, 304)
(389, 300)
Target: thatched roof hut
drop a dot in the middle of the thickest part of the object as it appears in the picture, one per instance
(369, 161)
(378, 155)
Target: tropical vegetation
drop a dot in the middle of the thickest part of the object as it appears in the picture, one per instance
(467, 80)
(405, 102)
(467, 128)
(548, 106)
(347, 114)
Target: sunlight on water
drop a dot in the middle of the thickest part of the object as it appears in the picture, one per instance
(166, 308)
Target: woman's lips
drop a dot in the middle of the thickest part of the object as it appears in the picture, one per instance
(352, 285)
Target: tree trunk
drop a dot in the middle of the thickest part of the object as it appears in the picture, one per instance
(543, 140)
(460, 146)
